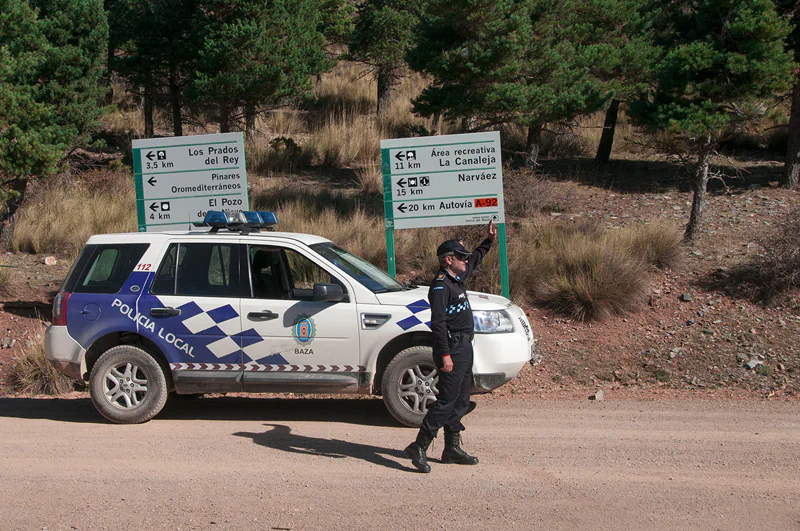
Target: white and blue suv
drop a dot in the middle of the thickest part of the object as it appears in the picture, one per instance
(237, 309)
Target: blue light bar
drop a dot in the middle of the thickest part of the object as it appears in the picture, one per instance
(268, 218)
(247, 219)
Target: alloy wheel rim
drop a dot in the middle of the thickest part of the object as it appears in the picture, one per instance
(125, 385)
(417, 388)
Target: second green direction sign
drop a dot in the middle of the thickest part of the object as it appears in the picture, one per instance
(442, 180)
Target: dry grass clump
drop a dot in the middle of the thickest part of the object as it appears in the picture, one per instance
(348, 87)
(8, 287)
(32, 374)
(527, 194)
(575, 270)
(658, 244)
(350, 221)
(61, 215)
(370, 179)
(774, 271)
(345, 141)
(281, 154)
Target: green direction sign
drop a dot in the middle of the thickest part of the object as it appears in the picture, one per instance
(179, 179)
(442, 181)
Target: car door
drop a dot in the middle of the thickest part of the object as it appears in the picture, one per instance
(290, 341)
(194, 306)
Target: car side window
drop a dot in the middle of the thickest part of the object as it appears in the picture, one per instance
(199, 269)
(280, 273)
(106, 268)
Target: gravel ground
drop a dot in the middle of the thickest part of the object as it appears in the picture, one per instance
(247, 463)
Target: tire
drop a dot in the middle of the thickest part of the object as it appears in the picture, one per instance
(127, 385)
(409, 385)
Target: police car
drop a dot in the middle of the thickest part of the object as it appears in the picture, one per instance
(233, 308)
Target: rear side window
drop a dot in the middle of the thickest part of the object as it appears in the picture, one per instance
(199, 269)
(104, 268)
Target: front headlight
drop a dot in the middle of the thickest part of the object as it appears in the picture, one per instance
(492, 322)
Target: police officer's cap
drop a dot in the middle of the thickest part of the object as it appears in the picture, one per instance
(452, 247)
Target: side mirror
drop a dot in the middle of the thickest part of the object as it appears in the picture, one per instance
(329, 293)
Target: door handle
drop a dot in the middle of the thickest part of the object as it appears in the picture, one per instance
(169, 311)
(266, 315)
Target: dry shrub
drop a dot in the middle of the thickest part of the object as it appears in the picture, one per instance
(370, 179)
(527, 194)
(658, 244)
(32, 374)
(349, 221)
(776, 270)
(8, 286)
(345, 141)
(287, 123)
(575, 270)
(60, 215)
(594, 282)
(281, 154)
(347, 88)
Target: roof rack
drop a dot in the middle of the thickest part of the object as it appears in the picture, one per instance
(243, 221)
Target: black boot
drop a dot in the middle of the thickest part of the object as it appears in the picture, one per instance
(416, 451)
(453, 452)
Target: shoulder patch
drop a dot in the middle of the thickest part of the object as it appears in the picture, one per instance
(440, 276)
(438, 287)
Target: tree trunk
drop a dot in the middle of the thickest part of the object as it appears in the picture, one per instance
(109, 95)
(249, 121)
(435, 124)
(175, 102)
(224, 120)
(385, 84)
(699, 185)
(17, 189)
(791, 175)
(607, 138)
(532, 145)
(149, 128)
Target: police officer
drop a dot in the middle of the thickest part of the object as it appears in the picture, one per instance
(451, 324)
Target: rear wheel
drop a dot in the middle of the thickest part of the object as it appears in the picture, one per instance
(127, 385)
(409, 385)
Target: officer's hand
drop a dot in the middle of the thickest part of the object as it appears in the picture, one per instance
(491, 231)
(447, 364)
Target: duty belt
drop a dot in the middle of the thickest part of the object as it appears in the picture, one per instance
(460, 337)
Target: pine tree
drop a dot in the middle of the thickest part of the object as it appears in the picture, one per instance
(255, 55)
(721, 59)
(51, 60)
(528, 62)
(383, 32)
(157, 43)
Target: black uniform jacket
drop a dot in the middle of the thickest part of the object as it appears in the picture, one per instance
(450, 309)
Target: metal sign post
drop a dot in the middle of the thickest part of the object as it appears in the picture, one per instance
(178, 179)
(442, 181)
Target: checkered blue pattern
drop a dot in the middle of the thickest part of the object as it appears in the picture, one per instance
(221, 326)
(457, 308)
(418, 309)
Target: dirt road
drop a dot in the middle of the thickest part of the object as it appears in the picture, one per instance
(244, 463)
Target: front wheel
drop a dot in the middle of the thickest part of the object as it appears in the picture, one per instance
(127, 385)
(409, 385)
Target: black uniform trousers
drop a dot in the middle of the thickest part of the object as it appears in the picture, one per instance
(454, 387)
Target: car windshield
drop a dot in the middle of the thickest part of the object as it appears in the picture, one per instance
(367, 274)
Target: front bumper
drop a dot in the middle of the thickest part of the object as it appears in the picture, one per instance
(64, 353)
(484, 383)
